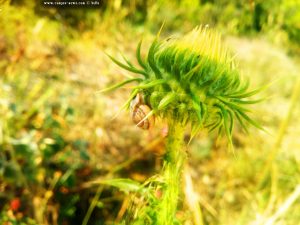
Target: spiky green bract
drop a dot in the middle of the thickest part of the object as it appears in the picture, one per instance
(193, 80)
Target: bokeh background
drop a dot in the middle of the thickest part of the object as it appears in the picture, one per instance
(57, 133)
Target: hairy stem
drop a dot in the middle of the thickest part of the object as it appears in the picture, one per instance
(172, 174)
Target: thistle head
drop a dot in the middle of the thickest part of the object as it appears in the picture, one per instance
(193, 80)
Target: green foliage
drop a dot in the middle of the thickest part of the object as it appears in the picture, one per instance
(34, 114)
(125, 185)
(247, 18)
(6, 219)
(32, 148)
(291, 17)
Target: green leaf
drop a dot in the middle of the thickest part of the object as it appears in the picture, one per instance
(131, 97)
(126, 104)
(248, 101)
(166, 100)
(232, 105)
(125, 185)
(245, 95)
(195, 130)
(251, 121)
(227, 127)
(116, 86)
(230, 113)
(191, 73)
(242, 94)
(215, 125)
(150, 84)
(241, 122)
(129, 68)
(127, 61)
(198, 109)
(151, 59)
(138, 56)
(146, 117)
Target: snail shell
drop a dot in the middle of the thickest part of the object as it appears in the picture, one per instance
(139, 111)
(138, 100)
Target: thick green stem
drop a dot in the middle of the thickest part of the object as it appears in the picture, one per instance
(172, 174)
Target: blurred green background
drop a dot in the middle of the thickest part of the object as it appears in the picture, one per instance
(57, 132)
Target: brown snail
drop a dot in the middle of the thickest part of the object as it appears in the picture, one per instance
(139, 110)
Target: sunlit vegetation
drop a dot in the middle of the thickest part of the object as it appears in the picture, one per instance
(69, 156)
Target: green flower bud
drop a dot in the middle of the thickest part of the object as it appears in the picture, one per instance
(193, 79)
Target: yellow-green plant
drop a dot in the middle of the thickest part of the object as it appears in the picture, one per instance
(188, 80)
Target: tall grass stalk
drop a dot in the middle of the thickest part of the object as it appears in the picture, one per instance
(191, 197)
(282, 131)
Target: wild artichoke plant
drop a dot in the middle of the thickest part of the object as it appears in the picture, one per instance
(187, 80)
